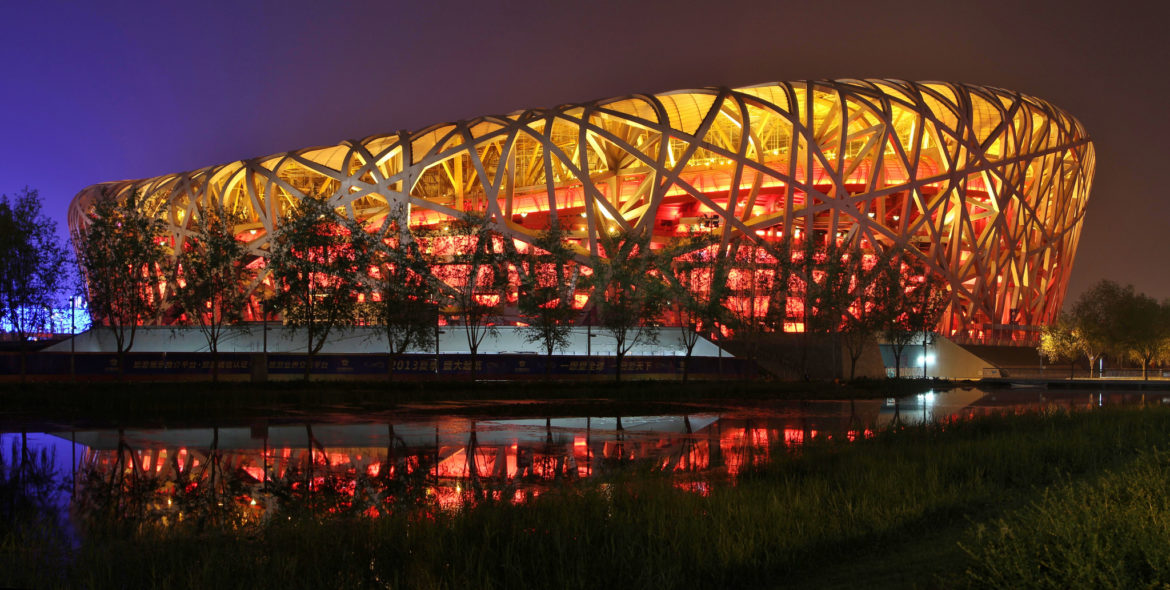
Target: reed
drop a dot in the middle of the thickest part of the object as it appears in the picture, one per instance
(961, 503)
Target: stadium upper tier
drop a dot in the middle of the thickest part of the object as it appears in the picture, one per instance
(986, 186)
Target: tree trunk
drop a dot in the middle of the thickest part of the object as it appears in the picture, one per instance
(618, 368)
(24, 361)
(309, 357)
(215, 365)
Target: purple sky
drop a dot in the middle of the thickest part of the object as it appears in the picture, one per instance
(98, 91)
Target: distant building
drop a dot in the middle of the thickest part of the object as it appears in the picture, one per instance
(987, 187)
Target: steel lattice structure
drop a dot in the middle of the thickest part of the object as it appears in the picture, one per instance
(986, 186)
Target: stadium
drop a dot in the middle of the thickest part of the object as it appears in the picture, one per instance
(986, 187)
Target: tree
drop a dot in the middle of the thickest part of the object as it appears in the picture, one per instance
(1144, 327)
(920, 298)
(870, 312)
(825, 273)
(758, 284)
(212, 275)
(123, 258)
(628, 292)
(320, 263)
(31, 264)
(403, 302)
(480, 258)
(697, 289)
(1094, 316)
(1060, 343)
(548, 283)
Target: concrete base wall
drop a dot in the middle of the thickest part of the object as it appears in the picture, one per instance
(364, 340)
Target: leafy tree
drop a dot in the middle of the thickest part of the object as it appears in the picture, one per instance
(212, 277)
(758, 284)
(320, 263)
(1060, 343)
(404, 295)
(697, 288)
(548, 283)
(630, 296)
(827, 281)
(477, 278)
(123, 257)
(872, 289)
(920, 299)
(1144, 327)
(1096, 322)
(31, 264)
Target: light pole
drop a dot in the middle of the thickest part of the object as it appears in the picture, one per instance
(438, 332)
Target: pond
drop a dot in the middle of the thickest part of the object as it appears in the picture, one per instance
(441, 456)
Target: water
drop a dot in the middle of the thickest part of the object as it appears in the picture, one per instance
(444, 456)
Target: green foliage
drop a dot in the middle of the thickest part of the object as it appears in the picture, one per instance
(1115, 320)
(629, 293)
(213, 278)
(476, 277)
(320, 262)
(548, 283)
(872, 303)
(697, 286)
(123, 259)
(831, 509)
(1060, 342)
(1109, 532)
(32, 266)
(917, 304)
(406, 307)
(1095, 321)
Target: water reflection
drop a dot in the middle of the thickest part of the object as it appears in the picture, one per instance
(353, 464)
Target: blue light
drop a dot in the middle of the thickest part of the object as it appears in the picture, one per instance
(62, 320)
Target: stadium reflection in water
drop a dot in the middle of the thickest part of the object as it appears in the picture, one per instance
(344, 464)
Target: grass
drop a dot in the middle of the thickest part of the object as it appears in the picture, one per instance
(1034, 500)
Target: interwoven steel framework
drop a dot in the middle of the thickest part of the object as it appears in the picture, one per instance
(986, 186)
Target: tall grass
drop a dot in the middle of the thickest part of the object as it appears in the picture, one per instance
(1110, 532)
(786, 523)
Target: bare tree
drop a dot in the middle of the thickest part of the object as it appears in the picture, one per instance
(320, 263)
(123, 258)
(31, 262)
(211, 277)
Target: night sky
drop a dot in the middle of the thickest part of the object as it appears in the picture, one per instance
(102, 91)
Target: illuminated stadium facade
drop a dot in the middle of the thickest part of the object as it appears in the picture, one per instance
(985, 186)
